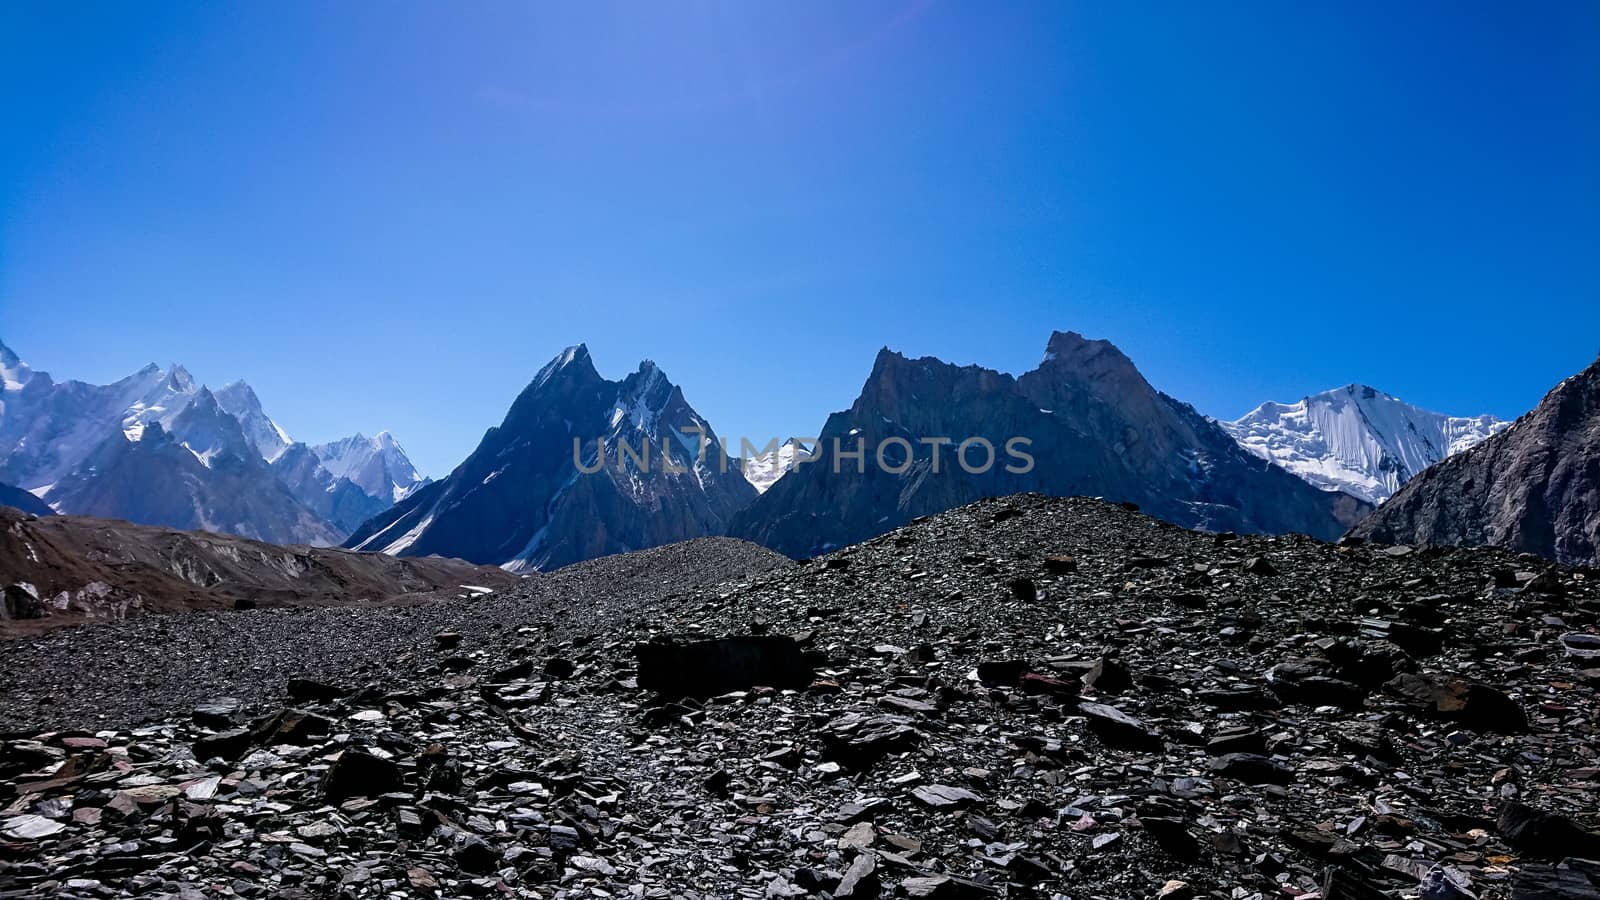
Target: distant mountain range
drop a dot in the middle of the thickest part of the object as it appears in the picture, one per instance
(1357, 439)
(156, 448)
(583, 466)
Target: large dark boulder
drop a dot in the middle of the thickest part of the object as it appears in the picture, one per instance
(1476, 706)
(711, 667)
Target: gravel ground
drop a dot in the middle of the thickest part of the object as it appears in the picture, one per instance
(138, 670)
(1026, 697)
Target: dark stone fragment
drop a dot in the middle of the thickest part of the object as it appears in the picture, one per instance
(193, 823)
(1258, 565)
(708, 668)
(1476, 706)
(308, 690)
(1117, 729)
(21, 603)
(1341, 884)
(228, 745)
(290, 726)
(1172, 836)
(1033, 683)
(1298, 683)
(565, 838)
(1251, 768)
(1545, 835)
(560, 667)
(1541, 882)
(1060, 565)
(1002, 672)
(948, 887)
(512, 673)
(1108, 676)
(476, 856)
(356, 773)
(716, 784)
(1023, 589)
(219, 713)
(858, 744)
(1247, 741)
(816, 881)
(860, 880)
(1413, 639)
(1237, 699)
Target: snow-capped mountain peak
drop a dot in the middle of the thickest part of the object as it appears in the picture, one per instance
(1357, 438)
(762, 470)
(14, 373)
(266, 436)
(574, 359)
(208, 431)
(158, 396)
(378, 465)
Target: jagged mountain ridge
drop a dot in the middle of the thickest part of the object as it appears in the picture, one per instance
(520, 499)
(68, 443)
(1357, 439)
(265, 436)
(1096, 426)
(1534, 487)
(339, 501)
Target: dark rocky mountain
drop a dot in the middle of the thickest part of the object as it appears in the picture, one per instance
(1096, 427)
(201, 475)
(17, 498)
(68, 569)
(1026, 697)
(1534, 487)
(521, 500)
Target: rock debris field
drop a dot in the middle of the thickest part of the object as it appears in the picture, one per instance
(1025, 697)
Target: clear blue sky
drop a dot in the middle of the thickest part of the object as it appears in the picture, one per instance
(389, 215)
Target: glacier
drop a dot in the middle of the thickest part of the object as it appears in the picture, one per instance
(1357, 439)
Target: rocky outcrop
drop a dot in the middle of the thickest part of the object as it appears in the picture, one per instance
(1088, 422)
(17, 498)
(581, 467)
(1534, 487)
(78, 568)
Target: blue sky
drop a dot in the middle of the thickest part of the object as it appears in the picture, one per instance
(390, 215)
